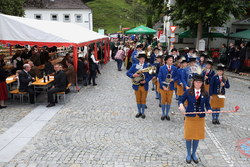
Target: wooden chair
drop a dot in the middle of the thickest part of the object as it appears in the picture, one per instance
(20, 94)
(62, 93)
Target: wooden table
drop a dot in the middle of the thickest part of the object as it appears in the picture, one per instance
(59, 59)
(40, 84)
(41, 67)
(8, 67)
(11, 79)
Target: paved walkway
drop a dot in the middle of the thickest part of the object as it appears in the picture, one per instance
(98, 128)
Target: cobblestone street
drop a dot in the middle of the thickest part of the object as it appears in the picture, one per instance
(97, 127)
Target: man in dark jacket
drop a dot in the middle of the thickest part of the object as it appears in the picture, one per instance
(59, 84)
(231, 54)
(242, 56)
(25, 80)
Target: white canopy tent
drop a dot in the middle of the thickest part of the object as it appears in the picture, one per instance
(25, 31)
(18, 30)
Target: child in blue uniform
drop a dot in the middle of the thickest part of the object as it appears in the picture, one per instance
(158, 63)
(180, 88)
(218, 84)
(208, 73)
(135, 53)
(168, 71)
(194, 125)
(188, 73)
(141, 90)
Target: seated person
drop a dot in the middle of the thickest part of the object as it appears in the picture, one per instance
(35, 71)
(25, 80)
(59, 84)
(49, 68)
(2, 63)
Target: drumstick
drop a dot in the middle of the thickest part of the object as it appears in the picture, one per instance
(236, 108)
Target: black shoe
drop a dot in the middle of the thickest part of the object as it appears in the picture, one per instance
(50, 105)
(146, 106)
(214, 121)
(156, 97)
(195, 161)
(217, 122)
(163, 118)
(2, 107)
(85, 84)
(153, 89)
(32, 102)
(188, 161)
(143, 116)
(94, 84)
(138, 115)
(168, 118)
(159, 105)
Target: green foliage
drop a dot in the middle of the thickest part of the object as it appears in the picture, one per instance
(111, 14)
(12, 7)
(210, 12)
(157, 9)
(149, 22)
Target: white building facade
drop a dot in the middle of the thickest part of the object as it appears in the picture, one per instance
(63, 11)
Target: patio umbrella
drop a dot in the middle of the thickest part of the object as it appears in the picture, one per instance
(242, 35)
(141, 30)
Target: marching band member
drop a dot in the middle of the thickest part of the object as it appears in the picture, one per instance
(188, 72)
(180, 86)
(194, 124)
(141, 90)
(152, 61)
(208, 73)
(167, 72)
(157, 64)
(154, 55)
(218, 84)
(202, 62)
(135, 53)
(177, 64)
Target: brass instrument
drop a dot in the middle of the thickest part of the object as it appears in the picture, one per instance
(168, 80)
(206, 81)
(190, 80)
(150, 70)
(224, 80)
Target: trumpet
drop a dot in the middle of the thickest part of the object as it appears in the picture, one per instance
(168, 80)
(151, 70)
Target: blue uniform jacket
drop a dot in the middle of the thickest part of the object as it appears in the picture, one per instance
(133, 70)
(152, 58)
(134, 57)
(157, 65)
(202, 66)
(192, 104)
(215, 86)
(185, 76)
(163, 72)
(179, 73)
(210, 75)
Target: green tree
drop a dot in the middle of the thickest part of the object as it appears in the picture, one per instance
(138, 13)
(199, 13)
(156, 7)
(12, 7)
